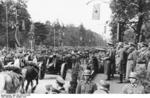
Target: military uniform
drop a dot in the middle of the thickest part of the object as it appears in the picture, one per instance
(141, 60)
(130, 62)
(133, 89)
(86, 87)
(122, 63)
(135, 86)
(109, 63)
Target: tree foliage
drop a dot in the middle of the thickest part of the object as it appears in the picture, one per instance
(16, 11)
(132, 13)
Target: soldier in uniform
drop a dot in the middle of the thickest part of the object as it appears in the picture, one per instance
(122, 62)
(130, 61)
(141, 60)
(86, 86)
(109, 61)
(134, 87)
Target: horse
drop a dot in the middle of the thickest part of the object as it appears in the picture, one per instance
(30, 72)
(11, 81)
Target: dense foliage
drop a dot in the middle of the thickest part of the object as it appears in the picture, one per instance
(133, 15)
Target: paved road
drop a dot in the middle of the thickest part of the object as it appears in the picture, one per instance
(115, 88)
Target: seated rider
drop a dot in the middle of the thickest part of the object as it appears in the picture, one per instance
(14, 67)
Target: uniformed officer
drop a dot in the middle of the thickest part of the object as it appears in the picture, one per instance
(134, 87)
(141, 60)
(122, 54)
(109, 61)
(86, 86)
(130, 61)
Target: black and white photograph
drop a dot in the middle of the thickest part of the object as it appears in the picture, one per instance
(74, 47)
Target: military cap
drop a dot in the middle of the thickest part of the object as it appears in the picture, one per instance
(133, 75)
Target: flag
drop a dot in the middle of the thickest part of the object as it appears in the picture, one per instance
(96, 12)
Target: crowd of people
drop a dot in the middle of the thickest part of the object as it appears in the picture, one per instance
(131, 62)
(128, 60)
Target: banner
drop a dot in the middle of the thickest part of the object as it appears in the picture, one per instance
(96, 12)
(23, 25)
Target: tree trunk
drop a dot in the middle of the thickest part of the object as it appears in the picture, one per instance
(140, 21)
(139, 26)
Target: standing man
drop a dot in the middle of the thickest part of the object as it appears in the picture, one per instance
(109, 61)
(141, 60)
(86, 86)
(131, 60)
(122, 62)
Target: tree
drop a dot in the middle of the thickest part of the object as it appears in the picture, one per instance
(128, 10)
(40, 33)
(17, 15)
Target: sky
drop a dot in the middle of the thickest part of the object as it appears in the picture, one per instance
(74, 12)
